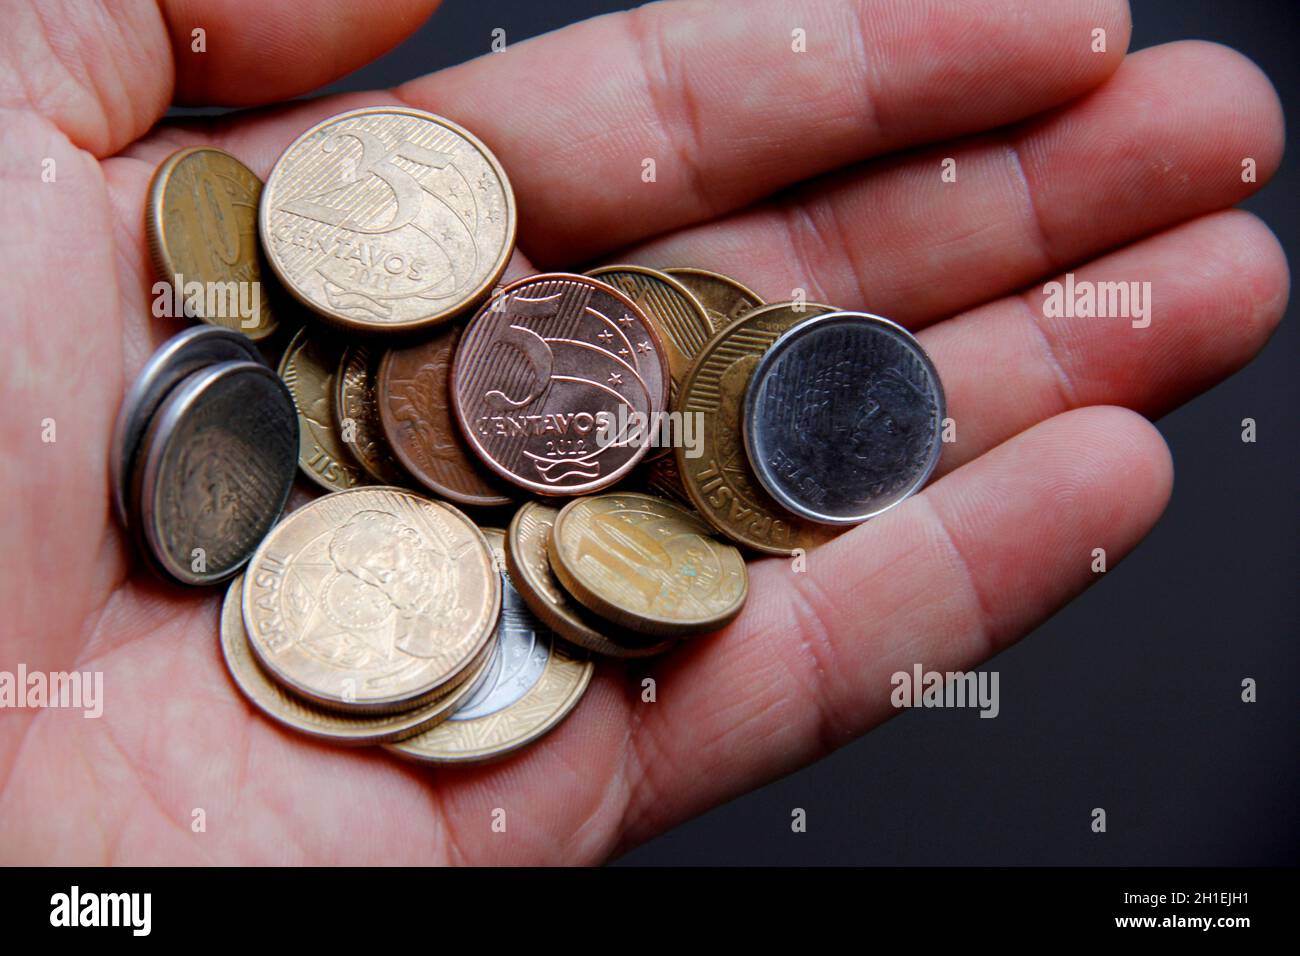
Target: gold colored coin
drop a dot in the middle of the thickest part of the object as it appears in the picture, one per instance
(309, 366)
(724, 299)
(534, 681)
(719, 479)
(372, 599)
(388, 219)
(286, 709)
(661, 477)
(647, 564)
(530, 570)
(356, 409)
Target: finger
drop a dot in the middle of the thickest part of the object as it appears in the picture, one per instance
(1162, 141)
(1199, 326)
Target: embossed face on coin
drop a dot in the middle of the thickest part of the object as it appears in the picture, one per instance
(555, 382)
(388, 219)
(308, 367)
(201, 227)
(724, 299)
(356, 410)
(371, 599)
(843, 417)
(647, 564)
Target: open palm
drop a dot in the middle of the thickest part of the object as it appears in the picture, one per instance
(768, 167)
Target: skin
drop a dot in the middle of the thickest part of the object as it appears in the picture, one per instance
(773, 166)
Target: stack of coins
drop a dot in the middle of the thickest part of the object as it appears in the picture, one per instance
(617, 436)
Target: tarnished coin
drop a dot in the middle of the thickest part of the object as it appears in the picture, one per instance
(214, 470)
(843, 417)
(717, 476)
(555, 382)
(647, 564)
(201, 227)
(347, 729)
(724, 299)
(356, 409)
(373, 599)
(176, 359)
(309, 366)
(533, 682)
(414, 397)
(388, 219)
(529, 565)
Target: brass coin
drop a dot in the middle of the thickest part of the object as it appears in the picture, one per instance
(530, 570)
(373, 599)
(534, 681)
(724, 299)
(414, 399)
(308, 367)
(285, 708)
(388, 219)
(201, 226)
(647, 564)
(719, 480)
(661, 477)
(356, 409)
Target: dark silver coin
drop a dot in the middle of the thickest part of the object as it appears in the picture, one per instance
(214, 471)
(844, 417)
(177, 358)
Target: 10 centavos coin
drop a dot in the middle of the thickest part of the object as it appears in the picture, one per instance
(724, 299)
(201, 226)
(214, 471)
(843, 417)
(308, 366)
(373, 599)
(388, 219)
(647, 564)
(555, 382)
(533, 682)
(356, 409)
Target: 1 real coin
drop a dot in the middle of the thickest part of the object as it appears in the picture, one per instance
(724, 299)
(647, 564)
(373, 599)
(356, 409)
(388, 219)
(308, 367)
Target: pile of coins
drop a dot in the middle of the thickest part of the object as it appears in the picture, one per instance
(678, 414)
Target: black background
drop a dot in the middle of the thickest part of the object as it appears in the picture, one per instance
(1130, 698)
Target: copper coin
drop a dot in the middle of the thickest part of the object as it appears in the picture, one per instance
(356, 410)
(414, 399)
(556, 383)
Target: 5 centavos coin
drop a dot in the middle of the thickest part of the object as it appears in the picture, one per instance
(534, 680)
(724, 299)
(176, 359)
(647, 564)
(556, 381)
(388, 219)
(214, 471)
(843, 417)
(285, 708)
(716, 474)
(414, 398)
(308, 366)
(201, 227)
(373, 599)
(356, 409)
(529, 565)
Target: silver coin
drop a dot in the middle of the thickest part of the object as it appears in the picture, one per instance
(214, 471)
(844, 417)
(178, 357)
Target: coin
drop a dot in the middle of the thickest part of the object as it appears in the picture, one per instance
(308, 367)
(716, 474)
(530, 569)
(214, 470)
(371, 599)
(388, 219)
(176, 359)
(555, 381)
(843, 417)
(647, 564)
(286, 709)
(356, 409)
(201, 226)
(414, 398)
(724, 299)
(534, 681)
